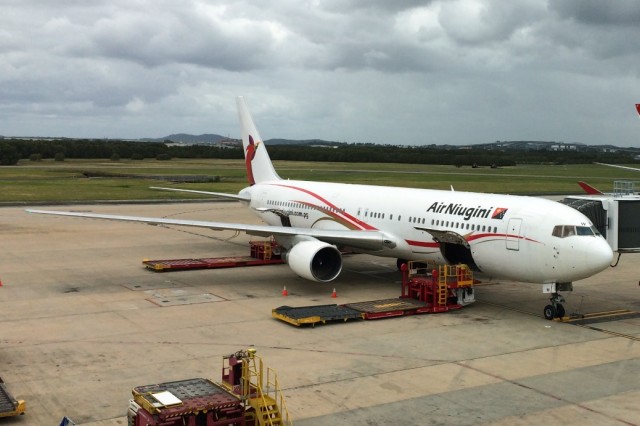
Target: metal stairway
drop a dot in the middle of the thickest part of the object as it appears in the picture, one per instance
(262, 392)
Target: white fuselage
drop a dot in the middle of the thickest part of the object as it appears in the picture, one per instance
(505, 236)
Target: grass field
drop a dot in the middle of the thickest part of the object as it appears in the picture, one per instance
(51, 181)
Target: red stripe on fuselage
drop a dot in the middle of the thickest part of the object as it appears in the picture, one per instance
(347, 216)
(478, 236)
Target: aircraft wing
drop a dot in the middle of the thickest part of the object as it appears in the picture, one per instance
(215, 194)
(366, 240)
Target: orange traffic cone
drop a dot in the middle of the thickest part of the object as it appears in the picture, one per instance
(284, 291)
(334, 294)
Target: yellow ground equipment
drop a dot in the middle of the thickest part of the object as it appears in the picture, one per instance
(9, 406)
(248, 395)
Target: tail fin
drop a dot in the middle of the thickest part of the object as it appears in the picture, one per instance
(591, 190)
(259, 166)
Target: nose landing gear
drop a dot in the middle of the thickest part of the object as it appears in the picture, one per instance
(555, 309)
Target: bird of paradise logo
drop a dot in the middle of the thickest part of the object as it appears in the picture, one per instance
(499, 213)
(248, 158)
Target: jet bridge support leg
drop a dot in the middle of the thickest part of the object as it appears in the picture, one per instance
(555, 309)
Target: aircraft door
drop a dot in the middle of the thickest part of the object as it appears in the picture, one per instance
(513, 234)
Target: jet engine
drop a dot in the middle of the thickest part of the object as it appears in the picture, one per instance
(315, 260)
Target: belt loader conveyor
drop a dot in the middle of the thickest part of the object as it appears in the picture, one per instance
(424, 290)
(261, 253)
(9, 406)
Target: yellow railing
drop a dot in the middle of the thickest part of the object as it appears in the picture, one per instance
(454, 275)
(442, 286)
(266, 393)
(267, 250)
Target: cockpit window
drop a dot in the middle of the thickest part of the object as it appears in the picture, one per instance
(584, 230)
(563, 231)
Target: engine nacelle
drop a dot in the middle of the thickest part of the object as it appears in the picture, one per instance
(315, 260)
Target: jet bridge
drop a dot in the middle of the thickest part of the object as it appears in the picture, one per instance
(615, 215)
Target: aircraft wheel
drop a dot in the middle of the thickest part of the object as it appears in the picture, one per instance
(549, 312)
(559, 311)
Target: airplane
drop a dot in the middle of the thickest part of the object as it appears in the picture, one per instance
(519, 238)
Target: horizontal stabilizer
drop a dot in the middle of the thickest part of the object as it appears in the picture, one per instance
(215, 194)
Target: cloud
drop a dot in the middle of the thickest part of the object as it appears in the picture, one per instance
(441, 71)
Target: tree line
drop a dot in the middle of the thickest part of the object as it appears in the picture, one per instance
(13, 150)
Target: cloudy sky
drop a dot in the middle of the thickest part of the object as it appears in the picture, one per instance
(383, 71)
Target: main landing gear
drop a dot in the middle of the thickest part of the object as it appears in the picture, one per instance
(555, 309)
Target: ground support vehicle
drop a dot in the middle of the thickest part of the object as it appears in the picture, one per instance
(9, 406)
(426, 288)
(247, 395)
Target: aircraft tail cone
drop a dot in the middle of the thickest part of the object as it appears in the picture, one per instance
(334, 294)
(284, 291)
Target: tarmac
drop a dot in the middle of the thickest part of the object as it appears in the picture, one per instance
(82, 323)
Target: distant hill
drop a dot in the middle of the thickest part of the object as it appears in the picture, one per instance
(211, 138)
(317, 142)
(214, 139)
(549, 146)
(207, 138)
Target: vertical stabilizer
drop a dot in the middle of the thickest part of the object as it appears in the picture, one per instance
(258, 163)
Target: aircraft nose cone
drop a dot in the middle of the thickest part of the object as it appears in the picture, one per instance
(599, 255)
